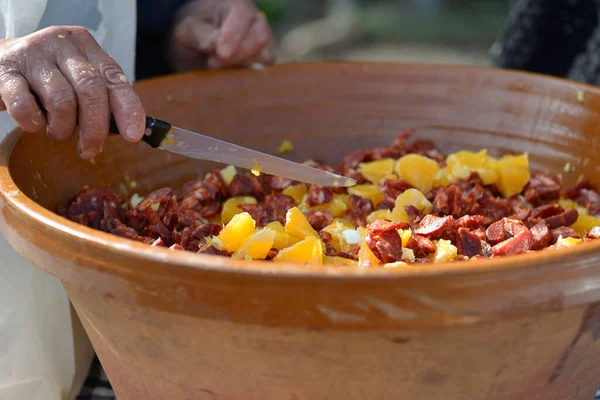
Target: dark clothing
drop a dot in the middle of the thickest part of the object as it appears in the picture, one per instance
(154, 24)
(555, 37)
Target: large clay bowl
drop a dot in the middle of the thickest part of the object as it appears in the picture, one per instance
(180, 326)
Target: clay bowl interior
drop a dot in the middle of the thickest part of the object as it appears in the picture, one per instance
(504, 329)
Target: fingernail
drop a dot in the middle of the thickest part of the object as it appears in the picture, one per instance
(37, 118)
(132, 133)
(87, 154)
(84, 153)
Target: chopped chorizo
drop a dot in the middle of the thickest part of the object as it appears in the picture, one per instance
(422, 246)
(391, 189)
(589, 199)
(564, 232)
(275, 207)
(318, 219)
(468, 243)
(358, 210)
(386, 245)
(566, 218)
(517, 244)
(432, 226)
(541, 235)
(542, 187)
(318, 195)
(384, 226)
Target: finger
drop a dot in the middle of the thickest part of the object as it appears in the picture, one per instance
(125, 105)
(257, 38)
(58, 99)
(213, 62)
(19, 102)
(92, 98)
(236, 24)
(196, 35)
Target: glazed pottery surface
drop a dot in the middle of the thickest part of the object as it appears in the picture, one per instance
(175, 325)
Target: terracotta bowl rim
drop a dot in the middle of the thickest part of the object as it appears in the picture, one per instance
(134, 252)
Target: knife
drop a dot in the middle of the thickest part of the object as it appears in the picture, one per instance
(162, 135)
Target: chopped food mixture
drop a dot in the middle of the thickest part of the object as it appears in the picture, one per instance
(413, 204)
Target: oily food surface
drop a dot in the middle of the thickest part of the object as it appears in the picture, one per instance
(413, 204)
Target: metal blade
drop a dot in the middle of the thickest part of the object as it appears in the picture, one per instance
(194, 145)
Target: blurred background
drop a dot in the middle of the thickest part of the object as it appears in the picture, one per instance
(444, 31)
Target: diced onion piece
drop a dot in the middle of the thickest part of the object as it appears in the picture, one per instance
(135, 200)
(351, 236)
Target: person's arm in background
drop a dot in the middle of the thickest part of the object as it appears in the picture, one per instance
(184, 35)
(545, 36)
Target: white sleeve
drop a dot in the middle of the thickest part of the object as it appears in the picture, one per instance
(20, 17)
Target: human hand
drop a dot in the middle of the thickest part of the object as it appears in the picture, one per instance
(219, 34)
(77, 83)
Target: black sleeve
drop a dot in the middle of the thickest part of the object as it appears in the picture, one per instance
(586, 67)
(545, 36)
(154, 24)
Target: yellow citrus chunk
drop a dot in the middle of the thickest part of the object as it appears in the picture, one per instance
(398, 214)
(375, 171)
(418, 170)
(366, 258)
(567, 242)
(445, 251)
(339, 261)
(233, 206)
(285, 147)
(405, 235)
(239, 228)
(370, 192)
(307, 251)
(296, 192)
(297, 225)
(282, 239)
(461, 164)
(585, 223)
(569, 204)
(378, 215)
(337, 207)
(256, 246)
(413, 197)
(344, 222)
(513, 174)
(443, 178)
(410, 197)
(228, 173)
(343, 236)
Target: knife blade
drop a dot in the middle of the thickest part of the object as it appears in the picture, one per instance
(162, 135)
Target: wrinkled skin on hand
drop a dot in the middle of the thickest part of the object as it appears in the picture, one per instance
(77, 83)
(220, 34)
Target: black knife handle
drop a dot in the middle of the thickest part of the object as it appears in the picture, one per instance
(155, 133)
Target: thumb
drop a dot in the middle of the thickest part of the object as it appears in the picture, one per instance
(197, 35)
